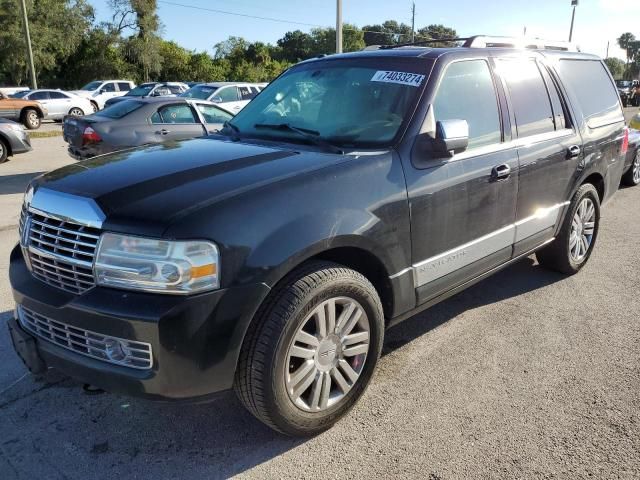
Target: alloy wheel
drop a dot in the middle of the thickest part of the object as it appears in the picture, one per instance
(636, 169)
(32, 118)
(327, 354)
(582, 230)
(76, 112)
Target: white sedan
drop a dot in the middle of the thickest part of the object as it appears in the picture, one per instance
(58, 103)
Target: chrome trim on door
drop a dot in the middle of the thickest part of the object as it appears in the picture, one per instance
(448, 262)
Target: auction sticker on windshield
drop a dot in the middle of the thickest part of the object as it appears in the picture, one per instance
(403, 78)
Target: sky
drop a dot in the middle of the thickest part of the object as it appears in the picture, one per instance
(597, 21)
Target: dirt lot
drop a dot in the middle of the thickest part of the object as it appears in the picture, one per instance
(529, 374)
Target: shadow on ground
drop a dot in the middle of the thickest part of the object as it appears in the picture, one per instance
(16, 183)
(219, 436)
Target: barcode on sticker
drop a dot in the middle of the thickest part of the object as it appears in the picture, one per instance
(403, 78)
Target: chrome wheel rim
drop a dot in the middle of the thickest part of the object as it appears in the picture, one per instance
(75, 112)
(327, 354)
(582, 230)
(32, 118)
(1, 151)
(636, 169)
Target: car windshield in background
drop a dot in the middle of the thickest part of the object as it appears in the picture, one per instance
(201, 92)
(623, 83)
(342, 104)
(91, 86)
(120, 109)
(19, 94)
(141, 90)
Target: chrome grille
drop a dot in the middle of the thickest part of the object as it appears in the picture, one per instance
(60, 252)
(114, 350)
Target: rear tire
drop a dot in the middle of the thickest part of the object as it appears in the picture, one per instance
(4, 152)
(573, 246)
(632, 177)
(298, 376)
(30, 119)
(76, 112)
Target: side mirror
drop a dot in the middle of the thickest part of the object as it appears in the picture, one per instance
(452, 136)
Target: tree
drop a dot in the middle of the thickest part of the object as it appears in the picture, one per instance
(175, 61)
(57, 29)
(388, 33)
(435, 32)
(625, 41)
(296, 46)
(616, 67)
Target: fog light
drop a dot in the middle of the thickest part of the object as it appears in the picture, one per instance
(115, 350)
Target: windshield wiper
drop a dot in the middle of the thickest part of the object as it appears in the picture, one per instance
(311, 135)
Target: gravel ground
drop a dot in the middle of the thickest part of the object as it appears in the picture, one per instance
(528, 374)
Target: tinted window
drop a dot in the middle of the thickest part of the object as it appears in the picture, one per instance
(173, 114)
(202, 92)
(175, 89)
(141, 90)
(529, 97)
(92, 86)
(556, 104)
(213, 114)
(58, 95)
(124, 86)
(39, 96)
(466, 92)
(594, 90)
(226, 94)
(120, 109)
(247, 93)
(109, 87)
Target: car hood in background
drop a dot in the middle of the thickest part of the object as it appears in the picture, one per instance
(151, 187)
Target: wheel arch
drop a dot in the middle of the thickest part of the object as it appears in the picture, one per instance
(5, 141)
(597, 180)
(32, 107)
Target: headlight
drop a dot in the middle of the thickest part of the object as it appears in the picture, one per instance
(135, 263)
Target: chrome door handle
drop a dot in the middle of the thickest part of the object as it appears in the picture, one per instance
(163, 132)
(500, 172)
(573, 151)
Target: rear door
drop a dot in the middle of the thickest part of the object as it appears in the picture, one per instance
(549, 148)
(462, 210)
(42, 97)
(176, 121)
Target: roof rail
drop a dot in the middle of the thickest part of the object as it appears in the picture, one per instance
(486, 41)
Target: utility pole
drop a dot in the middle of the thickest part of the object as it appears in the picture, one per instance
(607, 56)
(413, 22)
(25, 20)
(339, 26)
(574, 4)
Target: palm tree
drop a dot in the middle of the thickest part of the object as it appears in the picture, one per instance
(625, 42)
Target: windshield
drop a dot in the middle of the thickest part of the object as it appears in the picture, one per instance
(346, 103)
(120, 109)
(91, 86)
(141, 90)
(21, 94)
(623, 83)
(201, 92)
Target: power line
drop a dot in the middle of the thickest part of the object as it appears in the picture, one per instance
(279, 20)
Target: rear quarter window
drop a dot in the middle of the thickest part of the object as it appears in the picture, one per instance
(593, 89)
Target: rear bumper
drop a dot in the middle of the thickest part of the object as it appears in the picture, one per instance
(195, 340)
(88, 151)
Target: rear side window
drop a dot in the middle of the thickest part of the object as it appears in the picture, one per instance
(247, 93)
(594, 90)
(466, 92)
(58, 95)
(213, 114)
(124, 86)
(174, 114)
(529, 96)
(39, 96)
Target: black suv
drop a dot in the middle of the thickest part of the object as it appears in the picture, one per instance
(355, 191)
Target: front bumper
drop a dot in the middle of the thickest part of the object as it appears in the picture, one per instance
(20, 143)
(195, 340)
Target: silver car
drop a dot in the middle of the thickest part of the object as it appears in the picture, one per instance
(58, 103)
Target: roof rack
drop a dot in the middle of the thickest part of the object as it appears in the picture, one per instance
(486, 41)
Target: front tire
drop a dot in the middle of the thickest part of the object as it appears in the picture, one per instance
(4, 151)
(574, 244)
(312, 351)
(632, 177)
(76, 112)
(30, 119)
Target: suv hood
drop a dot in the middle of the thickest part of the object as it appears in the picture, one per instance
(152, 187)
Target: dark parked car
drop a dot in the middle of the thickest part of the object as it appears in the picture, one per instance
(355, 191)
(143, 121)
(631, 176)
(151, 89)
(14, 139)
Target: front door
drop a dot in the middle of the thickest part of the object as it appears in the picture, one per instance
(176, 122)
(463, 207)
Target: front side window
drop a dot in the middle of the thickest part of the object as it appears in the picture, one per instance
(213, 114)
(39, 96)
(355, 104)
(91, 86)
(529, 97)
(226, 94)
(109, 87)
(466, 92)
(174, 114)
